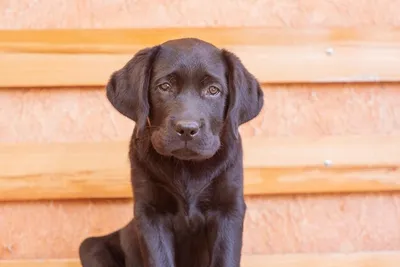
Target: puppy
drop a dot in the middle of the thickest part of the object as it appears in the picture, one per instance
(187, 99)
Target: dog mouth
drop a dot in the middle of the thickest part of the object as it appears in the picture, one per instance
(184, 150)
(187, 154)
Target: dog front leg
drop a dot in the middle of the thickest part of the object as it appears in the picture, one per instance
(225, 237)
(155, 238)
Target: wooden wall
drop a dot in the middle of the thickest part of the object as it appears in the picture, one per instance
(321, 160)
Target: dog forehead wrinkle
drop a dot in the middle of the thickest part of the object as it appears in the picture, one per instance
(191, 68)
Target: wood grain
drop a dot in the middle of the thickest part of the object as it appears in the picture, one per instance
(57, 58)
(272, 166)
(365, 259)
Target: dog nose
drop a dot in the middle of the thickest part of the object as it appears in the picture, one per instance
(187, 129)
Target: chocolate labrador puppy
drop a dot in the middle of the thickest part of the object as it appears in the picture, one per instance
(187, 98)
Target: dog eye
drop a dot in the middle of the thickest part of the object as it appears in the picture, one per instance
(164, 87)
(213, 90)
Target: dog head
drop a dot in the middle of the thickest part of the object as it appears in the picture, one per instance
(185, 94)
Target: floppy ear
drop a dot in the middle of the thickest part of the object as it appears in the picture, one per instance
(246, 97)
(127, 88)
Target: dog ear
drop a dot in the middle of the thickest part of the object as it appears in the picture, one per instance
(246, 97)
(127, 88)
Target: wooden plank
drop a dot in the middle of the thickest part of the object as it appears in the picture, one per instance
(88, 57)
(113, 184)
(361, 259)
(112, 41)
(272, 166)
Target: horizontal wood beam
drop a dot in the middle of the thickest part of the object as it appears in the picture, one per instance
(364, 259)
(272, 166)
(54, 58)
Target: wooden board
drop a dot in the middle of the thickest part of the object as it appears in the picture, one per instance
(272, 166)
(365, 259)
(87, 57)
